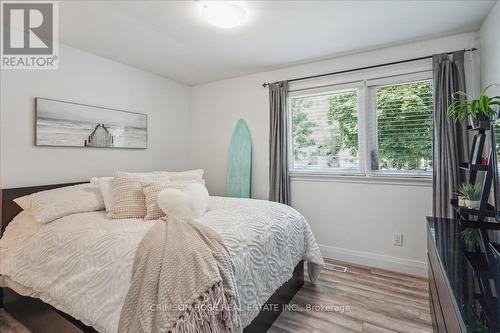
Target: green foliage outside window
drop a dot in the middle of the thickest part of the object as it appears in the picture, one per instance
(343, 109)
(302, 127)
(404, 127)
(404, 119)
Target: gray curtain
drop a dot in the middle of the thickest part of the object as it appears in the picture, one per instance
(279, 181)
(450, 143)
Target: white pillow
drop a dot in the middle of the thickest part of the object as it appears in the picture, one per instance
(181, 179)
(47, 206)
(97, 180)
(194, 175)
(105, 188)
(189, 203)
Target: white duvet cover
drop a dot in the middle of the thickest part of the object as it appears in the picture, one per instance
(82, 263)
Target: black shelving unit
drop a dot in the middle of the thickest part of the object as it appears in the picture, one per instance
(464, 211)
(481, 259)
(474, 167)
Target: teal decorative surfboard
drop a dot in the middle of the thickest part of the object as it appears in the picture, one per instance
(239, 165)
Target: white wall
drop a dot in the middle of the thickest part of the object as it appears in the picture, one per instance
(490, 49)
(89, 79)
(352, 220)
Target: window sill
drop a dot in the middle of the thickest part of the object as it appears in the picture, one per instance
(306, 176)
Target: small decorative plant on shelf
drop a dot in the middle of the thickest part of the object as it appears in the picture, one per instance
(472, 239)
(470, 194)
(480, 109)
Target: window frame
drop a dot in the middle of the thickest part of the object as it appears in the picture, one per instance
(366, 83)
(338, 88)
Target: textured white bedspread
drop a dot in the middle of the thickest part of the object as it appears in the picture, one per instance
(82, 263)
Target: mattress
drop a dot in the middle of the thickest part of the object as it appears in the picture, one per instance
(82, 263)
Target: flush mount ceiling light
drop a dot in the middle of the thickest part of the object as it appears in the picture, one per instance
(223, 14)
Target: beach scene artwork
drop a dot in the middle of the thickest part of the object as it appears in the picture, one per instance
(65, 124)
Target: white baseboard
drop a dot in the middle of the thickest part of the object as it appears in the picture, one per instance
(401, 265)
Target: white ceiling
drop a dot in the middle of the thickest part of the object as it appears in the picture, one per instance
(171, 39)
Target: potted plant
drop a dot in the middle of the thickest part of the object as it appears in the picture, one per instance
(460, 199)
(471, 193)
(481, 109)
(472, 239)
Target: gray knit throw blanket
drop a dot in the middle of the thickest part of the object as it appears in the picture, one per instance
(182, 282)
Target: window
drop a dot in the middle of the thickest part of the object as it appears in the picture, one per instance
(404, 128)
(325, 131)
(373, 127)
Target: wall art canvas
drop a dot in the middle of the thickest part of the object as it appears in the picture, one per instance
(66, 124)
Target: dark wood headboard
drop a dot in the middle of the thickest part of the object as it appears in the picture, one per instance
(10, 209)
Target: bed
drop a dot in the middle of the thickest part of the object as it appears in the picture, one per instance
(60, 270)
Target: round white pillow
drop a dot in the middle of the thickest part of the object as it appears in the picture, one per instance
(189, 203)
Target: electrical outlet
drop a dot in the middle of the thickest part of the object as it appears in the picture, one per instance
(397, 239)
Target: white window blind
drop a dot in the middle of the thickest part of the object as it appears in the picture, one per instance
(381, 126)
(325, 131)
(404, 128)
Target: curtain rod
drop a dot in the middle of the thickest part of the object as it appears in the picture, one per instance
(265, 84)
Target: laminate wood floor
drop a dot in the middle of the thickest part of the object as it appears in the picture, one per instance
(373, 301)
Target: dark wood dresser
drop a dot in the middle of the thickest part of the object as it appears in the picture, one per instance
(464, 282)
